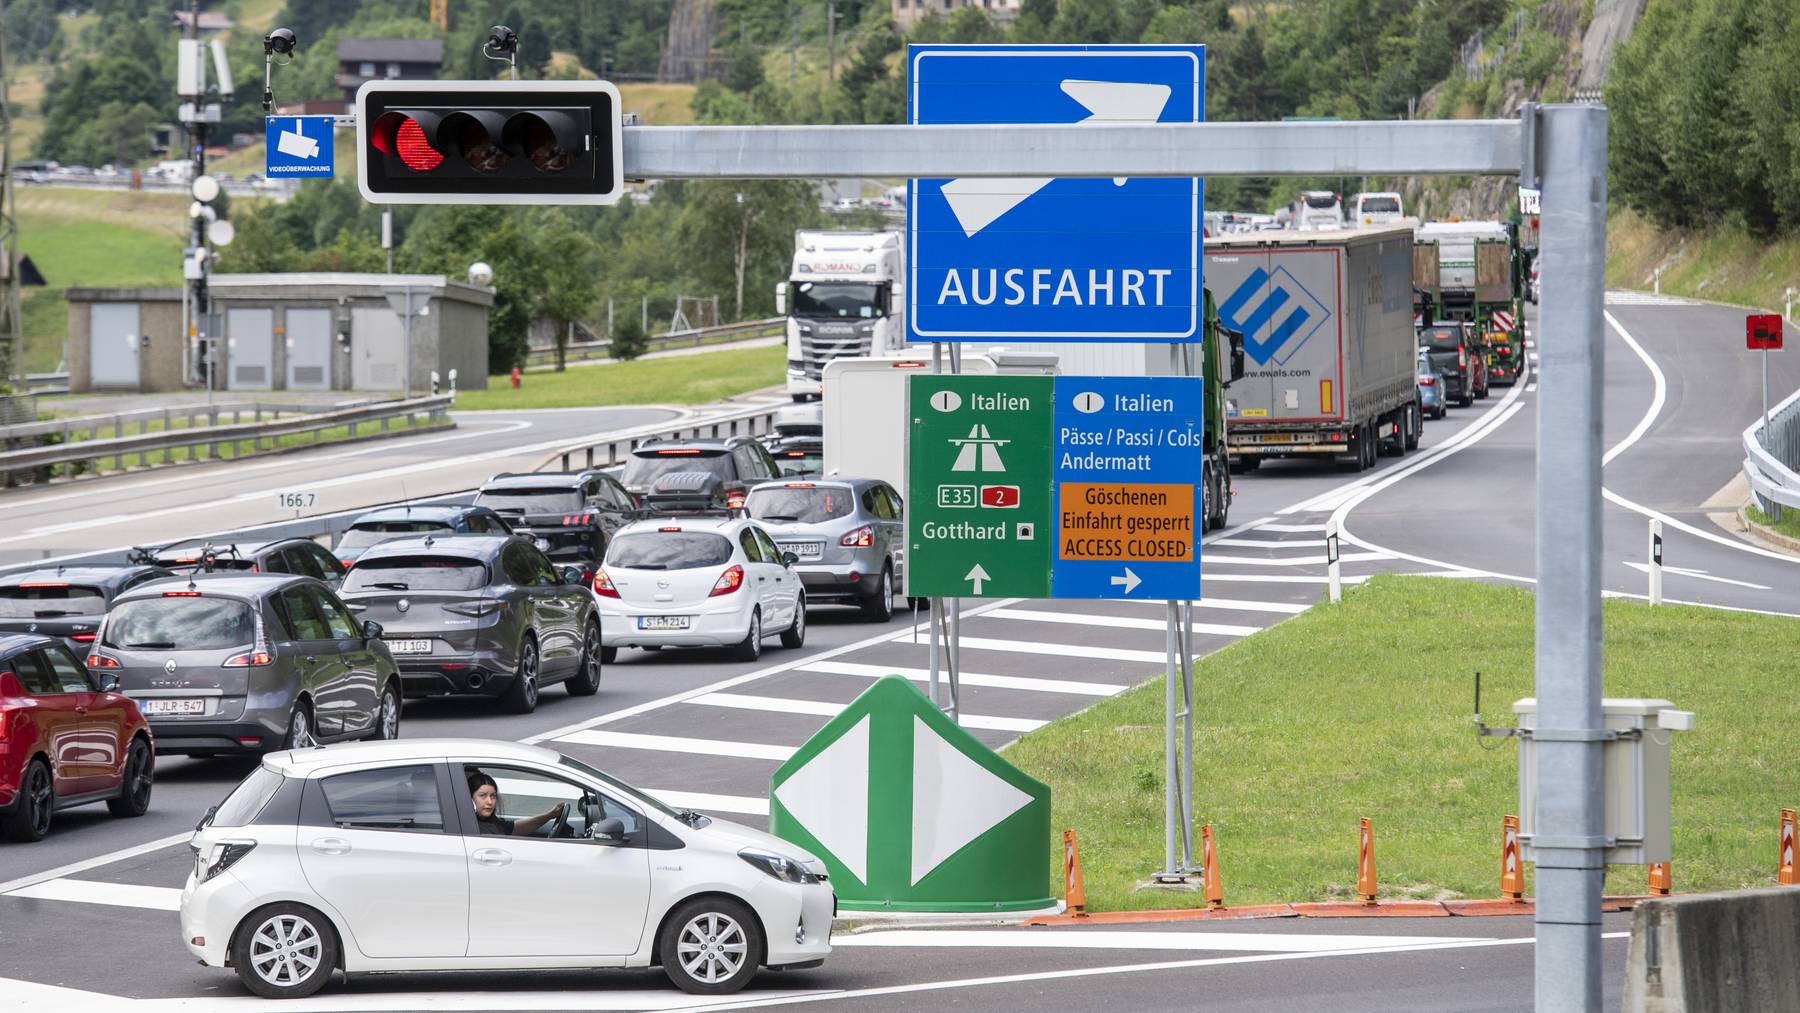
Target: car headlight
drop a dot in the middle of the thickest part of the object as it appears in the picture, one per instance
(219, 857)
(786, 869)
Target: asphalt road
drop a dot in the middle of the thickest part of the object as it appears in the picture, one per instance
(161, 506)
(700, 729)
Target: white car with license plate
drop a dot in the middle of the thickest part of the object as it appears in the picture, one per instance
(698, 581)
(382, 857)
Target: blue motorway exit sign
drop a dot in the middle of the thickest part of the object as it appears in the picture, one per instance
(1044, 259)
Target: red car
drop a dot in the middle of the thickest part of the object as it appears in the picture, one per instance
(65, 741)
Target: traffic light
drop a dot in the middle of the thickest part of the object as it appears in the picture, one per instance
(489, 142)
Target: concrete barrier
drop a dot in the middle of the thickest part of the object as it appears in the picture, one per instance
(1715, 953)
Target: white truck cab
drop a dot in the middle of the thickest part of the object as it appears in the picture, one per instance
(843, 298)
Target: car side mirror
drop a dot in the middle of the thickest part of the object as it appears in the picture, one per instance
(571, 575)
(109, 684)
(371, 630)
(789, 559)
(610, 831)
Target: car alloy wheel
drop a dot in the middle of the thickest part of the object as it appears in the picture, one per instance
(712, 948)
(586, 680)
(795, 635)
(30, 821)
(134, 787)
(286, 950)
(750, 648)
(389, 720)
(522, 695)
(300, 733)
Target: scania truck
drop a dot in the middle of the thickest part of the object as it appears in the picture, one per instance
(842, 299)
(1327, 330)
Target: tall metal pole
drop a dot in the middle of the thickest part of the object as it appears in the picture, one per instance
(406, 349)
(1568, 841)
(1171, 766)
(12, 340)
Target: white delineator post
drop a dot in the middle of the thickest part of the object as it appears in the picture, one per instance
(1656, 561)
(1334, 575)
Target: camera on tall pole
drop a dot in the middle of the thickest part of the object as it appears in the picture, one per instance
(197, 113)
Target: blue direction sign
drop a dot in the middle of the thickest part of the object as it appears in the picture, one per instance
(1055, 259)
(1128, 456)
(299, 147)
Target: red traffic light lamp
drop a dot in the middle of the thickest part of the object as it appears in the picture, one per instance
(489, 142)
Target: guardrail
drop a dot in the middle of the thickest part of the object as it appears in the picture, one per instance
(1772, 458)
(579, 350)
(17, 409)
(43, 461)
(751, 420)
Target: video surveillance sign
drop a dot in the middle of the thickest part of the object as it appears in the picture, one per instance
(1044, 259)
(300, 147)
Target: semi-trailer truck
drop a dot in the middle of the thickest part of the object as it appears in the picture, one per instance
(843, 298)
(1326, 319)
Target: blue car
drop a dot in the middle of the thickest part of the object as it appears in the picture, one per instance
(1431, 388)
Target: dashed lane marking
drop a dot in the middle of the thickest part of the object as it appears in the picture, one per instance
(679, 744)
(1291, 528)
(1267, 543)
(1063, 650)
(1028, 683)
(821, 708)
(1088, 939)
(1214, 559)
(1119, 622)
(87, 891)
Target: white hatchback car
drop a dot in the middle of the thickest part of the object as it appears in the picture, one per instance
(381, 857)
(698, 582)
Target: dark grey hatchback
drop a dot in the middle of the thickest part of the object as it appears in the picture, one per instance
(479, 614)
(248, 663)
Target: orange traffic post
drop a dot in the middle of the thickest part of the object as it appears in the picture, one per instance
(1209, 870)
(1074, 893)
(1784, 870)
(1661, 882)
(1365, 862)
(1512, 871)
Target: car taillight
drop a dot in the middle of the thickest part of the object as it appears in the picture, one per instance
(249, 659)
(348, 563)
(86, 638)
(98, 660)
(603, 585)
(861, 538)
(1462, 357)
(735, 499)
(476, 609)
(181, 594)
(729, 581)
(1428, 381)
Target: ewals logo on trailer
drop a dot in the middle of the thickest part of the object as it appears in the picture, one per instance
(1042, 258)
(1293, 312)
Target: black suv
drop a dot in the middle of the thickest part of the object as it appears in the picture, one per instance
(302, 556)
(68, 602)
(702, 474)
(570, 515)
(378, 526)
(1458, 358)
(481, 614)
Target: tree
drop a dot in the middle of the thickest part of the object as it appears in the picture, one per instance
(628, 339)
(739, 233)
(561, 281)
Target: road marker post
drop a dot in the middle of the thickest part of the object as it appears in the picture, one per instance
(1512, 871)
(1334, 574)
(1209, 870)
(1074, 893)
(1661, 881)
(1656, 561)
(1365, 862)
(1785, 868)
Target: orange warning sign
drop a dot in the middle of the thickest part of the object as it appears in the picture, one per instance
(1512, 873)
(1784, 870)
(1126, 521)
(1365, 861)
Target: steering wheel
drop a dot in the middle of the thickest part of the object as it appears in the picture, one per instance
(561, 827)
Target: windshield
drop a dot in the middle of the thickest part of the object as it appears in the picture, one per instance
(247, 799)
(1320, 200)
(668, 550)
(644, 469)
(555, 500)
(50, 601)
(574, 764)
(1442, 339)
(809, 505)
(416, 573)
(1381, 205)
(180, 624)
(800, 462)
(838, 300)
(370, 532)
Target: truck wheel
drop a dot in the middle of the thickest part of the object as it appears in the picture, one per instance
(1221, 497)
(1415, 418)
(1206, 498)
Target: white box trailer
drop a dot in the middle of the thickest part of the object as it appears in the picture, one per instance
(1330, 351)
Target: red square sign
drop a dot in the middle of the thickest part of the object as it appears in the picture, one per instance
(999, 495)
(1762, 331)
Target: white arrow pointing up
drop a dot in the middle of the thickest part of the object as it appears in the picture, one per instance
(977, 203)
(1130, 581)
(977, 575)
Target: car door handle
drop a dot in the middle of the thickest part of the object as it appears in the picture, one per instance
(491, 857)
(331, 846)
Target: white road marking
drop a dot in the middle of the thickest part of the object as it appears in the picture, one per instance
(1681, 571)
(1290, 527)
(1214, 558)
(821, 708)
(679, 744)
(1530, 387)
(1269, 543)
(707, 802)
(96, 862)
(969, 679)
(1209, 576)
(87, 891)
(1117, 622)
(1103, 939)
(1246, 605)
(1063, 650)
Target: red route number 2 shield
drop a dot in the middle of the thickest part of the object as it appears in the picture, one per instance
(1762, 331)
(999, 495)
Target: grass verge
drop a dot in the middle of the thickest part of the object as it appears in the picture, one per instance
(1788, 525)
(1363, 710)
(1725, 264)
(680, 379)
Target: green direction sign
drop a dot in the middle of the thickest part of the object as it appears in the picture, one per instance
(978, 486)
(910, 812)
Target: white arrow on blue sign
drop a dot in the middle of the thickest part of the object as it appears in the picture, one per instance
(1047, 259)
(299, 147)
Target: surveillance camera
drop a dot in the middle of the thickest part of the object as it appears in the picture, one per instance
(502, 39)
(280, 42)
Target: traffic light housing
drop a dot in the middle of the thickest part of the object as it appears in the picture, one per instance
(489, 142)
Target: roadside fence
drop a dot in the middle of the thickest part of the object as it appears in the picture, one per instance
(1772, 458)
(600, 349)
